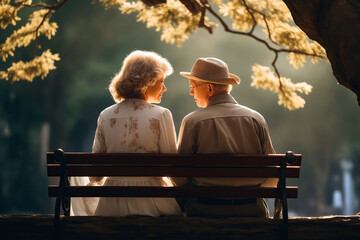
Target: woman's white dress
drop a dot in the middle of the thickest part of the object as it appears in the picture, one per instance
(133, 126)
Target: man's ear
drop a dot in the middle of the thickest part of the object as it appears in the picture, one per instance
(211, 89)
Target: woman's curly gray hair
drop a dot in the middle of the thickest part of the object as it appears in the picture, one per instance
(140, 70)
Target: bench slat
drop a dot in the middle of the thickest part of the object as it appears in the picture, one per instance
(151, 171)
(216, 192)
(179, 159)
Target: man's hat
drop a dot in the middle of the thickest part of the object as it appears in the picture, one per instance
(211, 70)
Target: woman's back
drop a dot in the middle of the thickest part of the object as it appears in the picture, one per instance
(134, 125)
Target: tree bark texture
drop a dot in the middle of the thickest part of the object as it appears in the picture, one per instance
(335, 24)
(135, 227)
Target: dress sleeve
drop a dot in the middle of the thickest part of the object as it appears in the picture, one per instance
(87, 206)
(167, 143)
(99, 139)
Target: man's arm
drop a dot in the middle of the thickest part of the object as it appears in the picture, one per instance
(185, 145)
(268, 149)
(267, 146)
(186, 142)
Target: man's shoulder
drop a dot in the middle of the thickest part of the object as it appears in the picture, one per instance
(243, 111)
(223, 111)
(198, 115)
(246, 111)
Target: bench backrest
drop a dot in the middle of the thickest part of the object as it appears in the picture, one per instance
(173, 165)
(279, 166)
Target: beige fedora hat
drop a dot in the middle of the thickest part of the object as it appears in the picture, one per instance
(211, 70)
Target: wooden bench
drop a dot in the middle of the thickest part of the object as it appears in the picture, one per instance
(280, 166)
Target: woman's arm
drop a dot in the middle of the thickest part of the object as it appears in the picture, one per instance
(167, 133)
(98, 147)
(168, 141)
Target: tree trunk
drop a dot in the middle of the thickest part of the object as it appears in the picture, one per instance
(40, 227)
(335, 24)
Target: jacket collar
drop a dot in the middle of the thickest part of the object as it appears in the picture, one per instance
(222, 98)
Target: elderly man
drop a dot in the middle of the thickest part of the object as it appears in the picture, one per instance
(222, 126)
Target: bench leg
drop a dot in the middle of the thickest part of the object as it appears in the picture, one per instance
(57, 223)
(288, 159)
(60, 158)
(285, 222)
(277, 208)
(66, 201)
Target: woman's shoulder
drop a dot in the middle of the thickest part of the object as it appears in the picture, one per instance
(158, 111)
(136, 107)
(159, 108)
(110, 110)
(141, 106)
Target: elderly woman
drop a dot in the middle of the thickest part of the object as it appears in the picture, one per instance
(135, 125)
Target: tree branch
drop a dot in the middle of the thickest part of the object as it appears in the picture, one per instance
(202, 21)
(55, 6)
(37, 30)
(250, 10)
(277, 72)
(252, 17)
(192, 5)
(227, 29)
(276, 51)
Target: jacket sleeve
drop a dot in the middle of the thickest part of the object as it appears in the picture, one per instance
(267, 147)
(186, 142)
(185, 145)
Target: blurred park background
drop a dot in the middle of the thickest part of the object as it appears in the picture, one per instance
(61, 111)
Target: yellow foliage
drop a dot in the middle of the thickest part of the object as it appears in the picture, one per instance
(172, 18)
(110, 3)
(264, 78)
(242, 20)
(176, 24)
(38, 23)
(23, 36)
(278, 26)
(39, 66)
(297, 60)
(8, 14)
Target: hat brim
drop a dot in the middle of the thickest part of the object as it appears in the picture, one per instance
(232, 80)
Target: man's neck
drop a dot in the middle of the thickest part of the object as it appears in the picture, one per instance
(218, 93)
(215, 95)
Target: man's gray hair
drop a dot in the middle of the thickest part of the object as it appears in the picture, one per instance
(223, 87)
